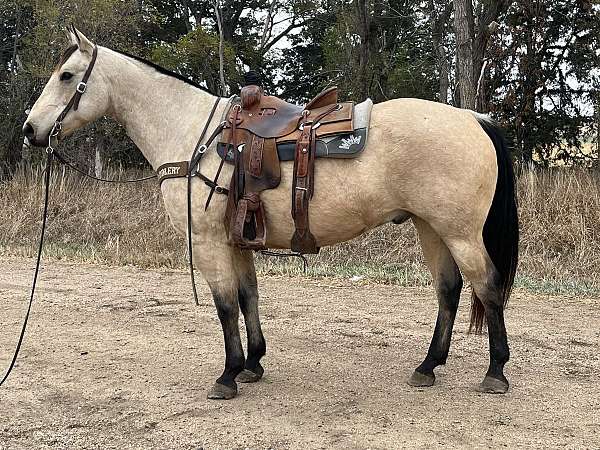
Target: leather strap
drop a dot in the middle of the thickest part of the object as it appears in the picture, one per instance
(303, 185)
(303, 241)
(172, 170)
(47, 177)
(81, 88)
(194, 161)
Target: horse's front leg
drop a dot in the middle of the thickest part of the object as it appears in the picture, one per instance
(217, 267)
(248, 300)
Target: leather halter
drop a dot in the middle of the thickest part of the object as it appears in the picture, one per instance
(74, 102)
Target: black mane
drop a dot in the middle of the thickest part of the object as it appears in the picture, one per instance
(164, 71)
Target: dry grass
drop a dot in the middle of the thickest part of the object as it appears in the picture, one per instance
(126, 224)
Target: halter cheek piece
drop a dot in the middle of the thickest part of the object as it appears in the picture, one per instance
(74, 102)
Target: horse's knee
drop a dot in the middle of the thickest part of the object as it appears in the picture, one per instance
(225, 309)
(448, 291)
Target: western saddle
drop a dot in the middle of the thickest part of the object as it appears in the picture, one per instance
(255, 126)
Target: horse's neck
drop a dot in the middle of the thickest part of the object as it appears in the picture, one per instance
(163, 116)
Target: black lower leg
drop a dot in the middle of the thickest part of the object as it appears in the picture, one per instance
(448, 297)
(499, 352)
(248, 300)
(227, 310)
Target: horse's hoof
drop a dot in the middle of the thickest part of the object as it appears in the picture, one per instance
(491, 385)
(248, 376)
(221, 392)
(419, 379)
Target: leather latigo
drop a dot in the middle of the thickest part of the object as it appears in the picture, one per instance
(302, 189)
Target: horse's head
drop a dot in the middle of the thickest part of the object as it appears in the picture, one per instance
(61, 88)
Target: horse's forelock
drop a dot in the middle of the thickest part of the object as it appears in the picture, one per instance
(65, 56)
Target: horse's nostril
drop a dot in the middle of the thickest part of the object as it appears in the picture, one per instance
(29, 131)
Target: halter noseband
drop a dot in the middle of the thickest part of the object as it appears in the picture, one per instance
(74, 102)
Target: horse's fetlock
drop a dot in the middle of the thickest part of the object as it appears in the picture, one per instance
(258, 347)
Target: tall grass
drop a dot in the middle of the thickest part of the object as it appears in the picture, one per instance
(127, 224)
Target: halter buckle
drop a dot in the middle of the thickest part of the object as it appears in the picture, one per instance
(56, 129)
(81, 87)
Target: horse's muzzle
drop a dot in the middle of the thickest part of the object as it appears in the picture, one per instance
(32, 136)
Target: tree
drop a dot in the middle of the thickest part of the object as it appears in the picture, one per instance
(473, 28)
(369, 49)
(439, 16)
(544, 72)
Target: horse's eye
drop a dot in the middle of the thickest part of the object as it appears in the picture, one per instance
(66, 76)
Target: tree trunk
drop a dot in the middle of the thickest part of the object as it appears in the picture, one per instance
(463, 25)
(438, 25)
(223, 89)
(231, 11)
(487, 14)
(185, 10)
(364, 24)
(268, 26)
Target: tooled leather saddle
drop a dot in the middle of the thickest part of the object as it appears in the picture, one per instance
(259, 128)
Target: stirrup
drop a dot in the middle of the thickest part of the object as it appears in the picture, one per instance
(250, 212)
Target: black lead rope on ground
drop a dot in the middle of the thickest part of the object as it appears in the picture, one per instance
(287, 255)
(48, 172)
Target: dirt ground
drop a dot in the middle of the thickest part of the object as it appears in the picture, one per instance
(120, 358)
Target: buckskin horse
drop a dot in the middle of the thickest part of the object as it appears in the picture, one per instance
(446, 169)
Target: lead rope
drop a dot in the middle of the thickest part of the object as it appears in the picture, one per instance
(287, 255)
(48, 171)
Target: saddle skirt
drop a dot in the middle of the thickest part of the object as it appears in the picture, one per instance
(334, 145)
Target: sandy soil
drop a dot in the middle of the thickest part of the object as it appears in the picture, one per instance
(120, 358)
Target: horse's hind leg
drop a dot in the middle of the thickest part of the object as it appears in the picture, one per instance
(248, 300)
(448, 284)
(474, 261)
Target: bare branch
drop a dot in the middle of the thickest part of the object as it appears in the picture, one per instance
(268, 26)
(283, 34)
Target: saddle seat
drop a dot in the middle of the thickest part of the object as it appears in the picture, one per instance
(270, 117)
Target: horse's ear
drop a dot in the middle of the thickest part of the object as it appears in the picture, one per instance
(79, 39)
(72, 35)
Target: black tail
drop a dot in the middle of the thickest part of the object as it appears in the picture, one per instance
(501, 229)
